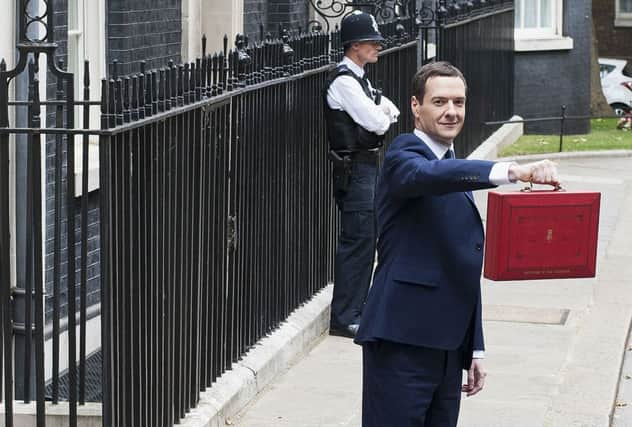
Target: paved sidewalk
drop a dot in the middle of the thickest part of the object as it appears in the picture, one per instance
(554, 347)
(622, 416)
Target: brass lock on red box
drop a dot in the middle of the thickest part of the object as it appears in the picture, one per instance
(541, 234)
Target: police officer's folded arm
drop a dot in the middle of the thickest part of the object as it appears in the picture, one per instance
(390, 109)
(361, 108)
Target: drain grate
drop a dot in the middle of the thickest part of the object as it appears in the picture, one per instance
(93, 380)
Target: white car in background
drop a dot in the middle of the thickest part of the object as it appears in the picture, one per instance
(616, 82)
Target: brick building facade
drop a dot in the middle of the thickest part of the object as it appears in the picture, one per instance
(291, 14)
(554, 69)
(614, 40)
(255, 15)
(146, 30)
(129, 31)
(135, 31)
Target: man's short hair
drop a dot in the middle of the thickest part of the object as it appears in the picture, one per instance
(433, 69)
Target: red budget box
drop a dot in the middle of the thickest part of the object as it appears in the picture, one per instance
(541, 235)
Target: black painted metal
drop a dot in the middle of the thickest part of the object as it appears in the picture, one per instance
(217, 219)
(37, 265)
(332, 11)
(84, 235)
(562, 118)
(105, 235)
(27, 318)
(478, 39)
(5, 257)
(28, 287)
(59, 123)
(217, 210)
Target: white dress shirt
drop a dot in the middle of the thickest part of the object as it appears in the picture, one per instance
(346, 94)
(498, 175)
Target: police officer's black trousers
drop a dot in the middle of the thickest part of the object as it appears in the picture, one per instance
(355, 253)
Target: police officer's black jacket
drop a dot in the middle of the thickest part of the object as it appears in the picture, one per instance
(343, 133)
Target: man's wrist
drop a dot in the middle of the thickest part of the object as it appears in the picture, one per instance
(478, 354)
(499, 174)
(521, 173)
(512, 172)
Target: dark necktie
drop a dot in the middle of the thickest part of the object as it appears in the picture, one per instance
(449, 154)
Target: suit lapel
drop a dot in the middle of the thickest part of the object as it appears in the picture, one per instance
(425, 150)
(470, 198)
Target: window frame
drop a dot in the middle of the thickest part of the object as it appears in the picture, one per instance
(621, 19)
(543, 38)
(605, 69)
(542, 32)
(87, 41)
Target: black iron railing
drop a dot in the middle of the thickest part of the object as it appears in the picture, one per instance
(216, 218)
(215, 212)
(477, 37)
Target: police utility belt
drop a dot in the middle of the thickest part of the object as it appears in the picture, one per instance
(344, 159)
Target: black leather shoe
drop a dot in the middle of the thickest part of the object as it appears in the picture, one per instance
(348, 331)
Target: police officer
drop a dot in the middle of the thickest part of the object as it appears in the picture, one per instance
(357, 118)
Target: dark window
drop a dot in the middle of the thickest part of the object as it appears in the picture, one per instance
(605, 69)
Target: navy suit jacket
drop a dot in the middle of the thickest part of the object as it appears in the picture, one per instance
(426, 288)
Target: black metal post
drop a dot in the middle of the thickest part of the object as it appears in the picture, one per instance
(562, 120)
(83, 299)
(38, 265)
(28, 283)
(59, 123)
(105, 198)
(5, 255)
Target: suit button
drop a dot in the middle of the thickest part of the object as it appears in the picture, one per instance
(479, 247)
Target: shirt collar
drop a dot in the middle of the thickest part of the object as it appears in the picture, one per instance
(357, 70)
(437, 148)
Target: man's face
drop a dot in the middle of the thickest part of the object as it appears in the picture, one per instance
(442, 112)
(367, 51)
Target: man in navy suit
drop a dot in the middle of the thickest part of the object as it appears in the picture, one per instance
(421, 325)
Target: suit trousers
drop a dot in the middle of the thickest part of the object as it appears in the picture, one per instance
(355, 252)
(410, 386)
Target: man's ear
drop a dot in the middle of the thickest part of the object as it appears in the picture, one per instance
(414, 106)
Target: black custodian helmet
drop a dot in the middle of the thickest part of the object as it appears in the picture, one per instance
(359, 27)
